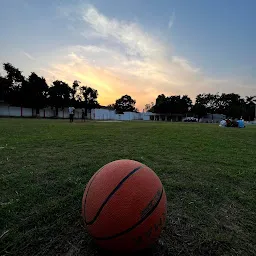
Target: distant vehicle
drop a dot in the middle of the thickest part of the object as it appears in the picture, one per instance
(190, 119)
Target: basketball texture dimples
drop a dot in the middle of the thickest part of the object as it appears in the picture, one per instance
(124, 206)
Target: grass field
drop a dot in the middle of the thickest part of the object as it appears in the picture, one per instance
(209, 174)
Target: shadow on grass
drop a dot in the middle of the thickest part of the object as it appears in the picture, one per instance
(158, 249)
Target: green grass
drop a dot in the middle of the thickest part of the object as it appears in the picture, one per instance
(209, 174)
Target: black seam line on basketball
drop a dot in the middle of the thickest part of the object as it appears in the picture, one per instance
(135, 225)
(112, 193)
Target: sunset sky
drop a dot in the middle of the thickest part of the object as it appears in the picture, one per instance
(138, 47)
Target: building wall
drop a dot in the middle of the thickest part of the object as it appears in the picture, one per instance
(215, 118)
(106, 114)
(4, 111)
(146, 116)
(102, 114)
(27, 112)
(95, 114)
(47, 112)
(15, 111)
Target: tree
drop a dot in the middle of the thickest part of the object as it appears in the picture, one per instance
(250, 100)
(13, 74)
(35, 91)
(111, 106)
(125, 104)
(149, 107)
(12, 85)
(206, 103)
(89, 96)
(250, 106)
(199, 110)
(4, 88)
(160, 104)
(185, 104)
(209, 101)
(75, 96)
(173, 104)
(231, 105)
(60, 95)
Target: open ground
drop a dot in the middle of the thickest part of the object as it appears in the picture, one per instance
(209, 174)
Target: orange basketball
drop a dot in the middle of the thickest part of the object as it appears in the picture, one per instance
(124, 206)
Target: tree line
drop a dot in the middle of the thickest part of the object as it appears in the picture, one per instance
(34, 92)
(231, 105)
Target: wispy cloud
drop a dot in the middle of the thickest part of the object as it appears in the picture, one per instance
(130, 35)
(28, 55)
(172, 19)
(118, 57)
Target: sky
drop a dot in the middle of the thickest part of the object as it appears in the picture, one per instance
(138, 47)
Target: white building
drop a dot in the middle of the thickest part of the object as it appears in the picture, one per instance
(96, 114)
(103, 114)
(106, 114)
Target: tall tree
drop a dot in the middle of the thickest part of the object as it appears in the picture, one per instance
(231, 105)
(13, 85)
(76, 98)
(160, 104)
(125, 104)
(250, 106)
(172, 105)
(60, 95)
(185, 104)
(13, 74)
(209, 101)
(4, 89)
(35, 91)
(199, 110)
(90, 96)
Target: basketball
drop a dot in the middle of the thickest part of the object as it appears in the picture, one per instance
(124, 206)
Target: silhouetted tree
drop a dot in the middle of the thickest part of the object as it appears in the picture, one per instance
(199, 110)
(173, 104)
(111, 106)
(60, 95)
(12, 85)
(250, 106)
(209, 101)
(35, 91)
(89, 98)
(185, 104)
(4, 89)
(76, 98)
(125, 104)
